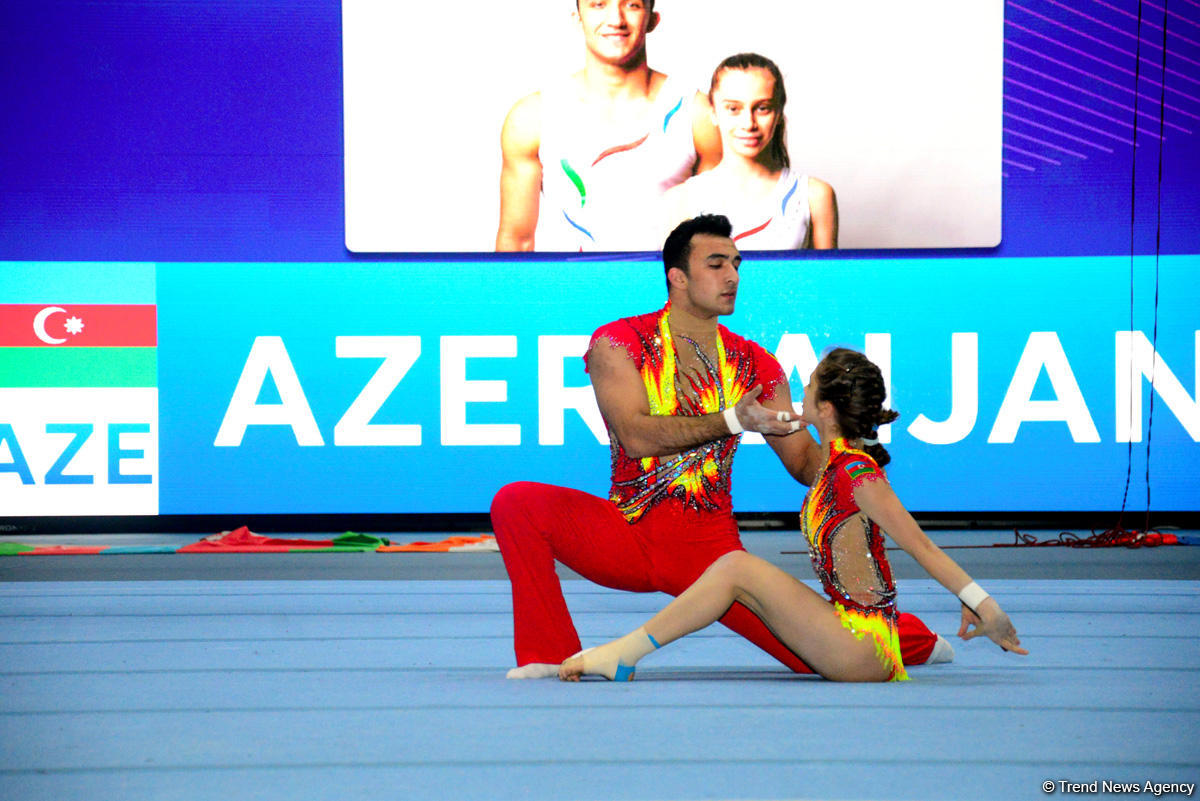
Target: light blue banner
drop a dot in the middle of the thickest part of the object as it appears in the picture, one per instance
(76, 282)
(1013, 378)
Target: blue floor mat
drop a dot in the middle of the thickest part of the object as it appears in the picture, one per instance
(396, 689)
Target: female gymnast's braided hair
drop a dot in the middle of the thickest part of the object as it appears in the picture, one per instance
(854, 385)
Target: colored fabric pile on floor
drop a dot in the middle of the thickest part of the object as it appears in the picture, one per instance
(243, 540)
(486, 542)
(350, 542)
(117, 550)
(62, 550)
(1112, 538)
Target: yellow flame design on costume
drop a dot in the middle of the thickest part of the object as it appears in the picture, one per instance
(692, 481)
(734, 389)
(659, 380)
(812, 522)
(660, 384)
(881, 630)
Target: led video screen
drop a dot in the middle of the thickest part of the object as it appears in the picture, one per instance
(896, 106)
(247, 250)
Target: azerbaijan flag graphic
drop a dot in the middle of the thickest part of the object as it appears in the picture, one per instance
(78, 389)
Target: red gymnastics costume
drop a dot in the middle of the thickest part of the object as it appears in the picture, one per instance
(847, 551)
(666, 519)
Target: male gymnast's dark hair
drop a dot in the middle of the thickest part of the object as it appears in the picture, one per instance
(854, 385)
(777, 147)
(678, 246)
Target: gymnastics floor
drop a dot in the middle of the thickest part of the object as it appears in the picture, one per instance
(381, 676)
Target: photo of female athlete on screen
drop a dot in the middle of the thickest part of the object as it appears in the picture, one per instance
(772, 206)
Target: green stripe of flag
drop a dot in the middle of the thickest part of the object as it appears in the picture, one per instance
(78, 367)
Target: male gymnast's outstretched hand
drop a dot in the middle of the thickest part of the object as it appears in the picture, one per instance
(992, 622)
(755, 417)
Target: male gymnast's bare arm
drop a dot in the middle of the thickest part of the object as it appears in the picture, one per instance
(520, 175)
(621, 396)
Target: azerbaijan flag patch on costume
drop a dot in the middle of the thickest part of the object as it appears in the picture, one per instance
(859, 469)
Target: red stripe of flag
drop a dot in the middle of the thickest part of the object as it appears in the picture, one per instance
(75, 325)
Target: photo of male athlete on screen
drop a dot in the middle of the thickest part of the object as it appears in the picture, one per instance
(771, 205)
(590, 155)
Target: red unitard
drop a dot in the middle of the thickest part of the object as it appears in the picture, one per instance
(666, 519)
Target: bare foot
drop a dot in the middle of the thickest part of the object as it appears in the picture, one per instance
(572, 667)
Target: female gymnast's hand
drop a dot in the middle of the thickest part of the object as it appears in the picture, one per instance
(755, 417)
(993, 623)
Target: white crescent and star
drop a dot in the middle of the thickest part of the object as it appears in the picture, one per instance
(39, 325)
(74, 325)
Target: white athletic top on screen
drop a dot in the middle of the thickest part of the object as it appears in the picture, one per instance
(778, 221)
(601, 185)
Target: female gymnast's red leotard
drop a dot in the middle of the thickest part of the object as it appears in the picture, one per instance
(847, 551)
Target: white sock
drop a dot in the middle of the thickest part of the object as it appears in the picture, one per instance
(534, 670)
(942, 652)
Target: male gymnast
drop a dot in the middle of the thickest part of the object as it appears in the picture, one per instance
(676, 389)
(592, 154)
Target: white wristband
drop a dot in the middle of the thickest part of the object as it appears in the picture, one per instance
(972, 595)
(730, 415)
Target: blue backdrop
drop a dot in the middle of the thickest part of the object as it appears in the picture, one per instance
(206, 138)
(208, 332)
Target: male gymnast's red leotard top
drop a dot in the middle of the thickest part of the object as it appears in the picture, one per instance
(847, 551)
(699, 477)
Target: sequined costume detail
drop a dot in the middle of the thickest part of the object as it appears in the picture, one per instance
(700, 476)
(847, 551)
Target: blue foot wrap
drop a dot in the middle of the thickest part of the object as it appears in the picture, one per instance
(624, 673)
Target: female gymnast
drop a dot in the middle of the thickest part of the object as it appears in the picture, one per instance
(852, 636)
(771, 206)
